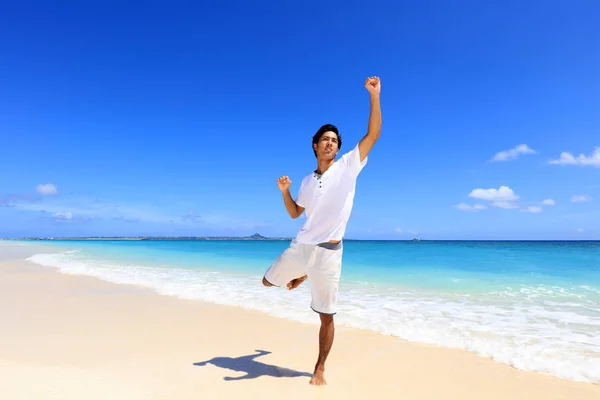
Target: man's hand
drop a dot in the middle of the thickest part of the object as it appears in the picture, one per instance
(284, 183)
(373, 85)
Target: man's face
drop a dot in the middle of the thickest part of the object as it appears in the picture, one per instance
(327, 147)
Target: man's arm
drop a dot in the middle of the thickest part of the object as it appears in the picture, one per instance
(290, 205)
(284, 183)
(365, 145)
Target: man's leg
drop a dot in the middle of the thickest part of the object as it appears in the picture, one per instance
(324, 279)
(326, 334)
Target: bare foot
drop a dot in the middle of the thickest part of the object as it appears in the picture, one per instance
(294, 283)
(318, 378)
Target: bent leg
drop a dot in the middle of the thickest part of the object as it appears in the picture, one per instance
(291, 264)
(326, 334)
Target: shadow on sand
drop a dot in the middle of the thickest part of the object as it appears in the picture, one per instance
(251, 367)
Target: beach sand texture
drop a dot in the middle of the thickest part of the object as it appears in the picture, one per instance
(76, 337)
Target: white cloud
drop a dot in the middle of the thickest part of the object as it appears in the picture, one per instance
(549, 202)
(513, 153)
(580, 199)
(62, 216)
(504, 204)
(469, 207)
(12, 200)
(400, 230)
(88, 208)
(532, 209)
(68, 218)
(580, 230)
(504, 193)
(583, 160)
(46, 189)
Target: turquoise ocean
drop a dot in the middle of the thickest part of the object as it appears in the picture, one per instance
(532, 305)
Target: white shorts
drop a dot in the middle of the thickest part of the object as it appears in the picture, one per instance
(322, 264)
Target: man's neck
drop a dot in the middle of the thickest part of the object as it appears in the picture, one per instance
(323, 165)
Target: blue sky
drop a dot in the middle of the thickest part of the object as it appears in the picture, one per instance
(177, 118)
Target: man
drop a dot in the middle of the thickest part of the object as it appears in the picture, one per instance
(327, 195)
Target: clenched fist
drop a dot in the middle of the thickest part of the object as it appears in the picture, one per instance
(284, 183)
(373, 85)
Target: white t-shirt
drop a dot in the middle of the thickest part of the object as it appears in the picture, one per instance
(328, 199)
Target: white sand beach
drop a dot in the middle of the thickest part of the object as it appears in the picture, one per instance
(75, 337)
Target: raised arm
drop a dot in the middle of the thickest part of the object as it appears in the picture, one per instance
(292, 208)
(373, 85)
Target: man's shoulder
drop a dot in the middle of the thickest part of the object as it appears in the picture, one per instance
(351, 160)
(307, 177)
(355, 150)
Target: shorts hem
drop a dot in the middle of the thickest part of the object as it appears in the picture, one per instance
(321, 312)
(265, 278)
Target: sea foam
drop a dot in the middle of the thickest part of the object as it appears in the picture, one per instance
(548, 329)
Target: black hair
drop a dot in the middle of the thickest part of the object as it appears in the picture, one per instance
(322, 130)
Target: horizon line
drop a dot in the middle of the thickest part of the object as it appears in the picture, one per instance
(283, 238)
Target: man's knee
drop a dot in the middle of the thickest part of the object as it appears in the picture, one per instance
(326, 319)
(266, 282)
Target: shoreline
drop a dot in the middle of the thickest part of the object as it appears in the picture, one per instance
(131, 338)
